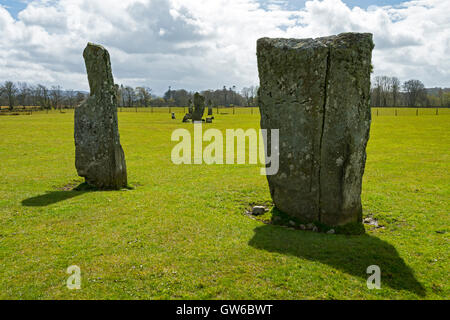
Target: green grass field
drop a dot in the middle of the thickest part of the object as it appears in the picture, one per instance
(181, 232)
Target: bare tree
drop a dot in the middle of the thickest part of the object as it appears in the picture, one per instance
(23, 92)
(9, 89)
(385, 90)
(129, 96)
(376, 92)
(395, 88)
(43, 96)
(70, 96)
(144, 95)
(246, 93)
(255, 90)
(56, 95)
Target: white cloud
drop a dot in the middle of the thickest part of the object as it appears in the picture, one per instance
(207, 44)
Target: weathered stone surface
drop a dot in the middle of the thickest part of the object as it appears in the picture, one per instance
(316, 92)
(199, 107)
(99, 157)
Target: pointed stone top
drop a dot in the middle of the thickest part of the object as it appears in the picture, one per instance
(98, 67)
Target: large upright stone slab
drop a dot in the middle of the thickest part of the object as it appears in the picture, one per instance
(199, 107)
(316, 92)
(99, 157)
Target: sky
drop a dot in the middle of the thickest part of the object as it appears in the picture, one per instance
(206, 44)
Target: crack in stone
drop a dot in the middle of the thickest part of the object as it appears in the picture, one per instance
(323, 127)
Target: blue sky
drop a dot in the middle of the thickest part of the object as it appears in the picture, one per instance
(15, 6)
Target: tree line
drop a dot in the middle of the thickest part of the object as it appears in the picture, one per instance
(390, 92)
(385, 92)
(22, 94)
(142, 96)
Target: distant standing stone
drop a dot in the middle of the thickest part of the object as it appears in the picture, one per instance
(173, 115)
(316, 92)
(210, 108)
(99, 157)
(199, 107)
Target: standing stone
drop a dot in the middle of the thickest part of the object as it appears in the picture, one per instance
(199, 107)
(316, 92)
(99, 157)
(210, 108)
(190, 108)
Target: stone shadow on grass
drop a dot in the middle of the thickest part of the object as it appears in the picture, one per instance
(51, 197)
(350, 254)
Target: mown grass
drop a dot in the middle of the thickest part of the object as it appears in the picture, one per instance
(181, 232)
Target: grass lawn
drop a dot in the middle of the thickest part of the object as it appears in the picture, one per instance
(181, 232)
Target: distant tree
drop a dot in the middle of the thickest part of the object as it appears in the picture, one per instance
(144, 95)
(181, 97)
(395, 88)
(9, 89)
(441, 96)
(255, 94)
(129, 96)
(80, 97)
(56, 96)
(42, 96)
(385, 90)
(121, 95)
(168, 94)
(376, 92)
(23, 93)
(414, 91)
(70, 97)
(225, 96)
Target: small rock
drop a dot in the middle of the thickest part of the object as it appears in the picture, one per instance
(302, 226)
(292, 223)
(310, 226)
(315, 229)
(331, 231)
(366, 220)
(258, 210)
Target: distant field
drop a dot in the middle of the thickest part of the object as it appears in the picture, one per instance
(181, 233)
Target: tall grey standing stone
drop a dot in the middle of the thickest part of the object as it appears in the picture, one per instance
(99, 157)
(316, 92)
(199, 107)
